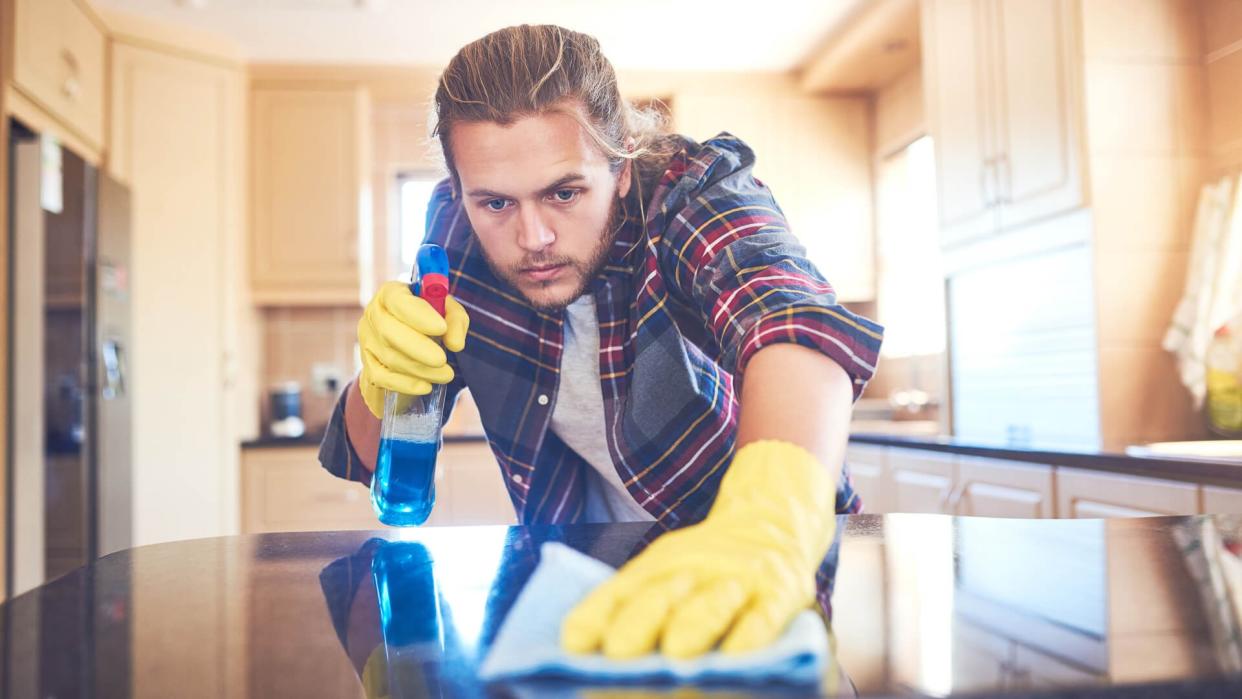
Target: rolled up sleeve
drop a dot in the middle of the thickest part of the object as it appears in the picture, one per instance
(730, 251)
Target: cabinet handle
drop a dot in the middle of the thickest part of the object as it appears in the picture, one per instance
(72, 86)
(1006, 182)
(951, 499)
(984, 179)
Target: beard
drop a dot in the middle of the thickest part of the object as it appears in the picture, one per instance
(580, 272)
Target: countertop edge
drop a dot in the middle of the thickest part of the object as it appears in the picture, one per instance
(302, 442)
(1203, 471)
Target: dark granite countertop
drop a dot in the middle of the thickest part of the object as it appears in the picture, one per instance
(923, 604)
(1222, 472)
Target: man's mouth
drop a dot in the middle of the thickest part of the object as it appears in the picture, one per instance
(542, 273)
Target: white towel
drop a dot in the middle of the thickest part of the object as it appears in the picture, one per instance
(528, 643)
(1213, 291)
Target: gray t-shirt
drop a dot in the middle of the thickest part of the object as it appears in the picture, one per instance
(578, 418)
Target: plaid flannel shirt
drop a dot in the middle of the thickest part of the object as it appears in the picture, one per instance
(700, 278)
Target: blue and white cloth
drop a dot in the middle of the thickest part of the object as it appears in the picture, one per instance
(528, 643)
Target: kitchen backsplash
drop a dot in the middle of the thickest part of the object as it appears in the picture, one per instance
(317, 347)
(305, 344)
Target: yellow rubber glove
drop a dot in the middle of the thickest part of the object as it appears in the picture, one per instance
(741, 574)
(399, 353)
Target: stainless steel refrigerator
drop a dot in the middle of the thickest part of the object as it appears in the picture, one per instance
(70, 461)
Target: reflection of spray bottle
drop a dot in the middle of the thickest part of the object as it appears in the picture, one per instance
(410, 618)
(403, 490)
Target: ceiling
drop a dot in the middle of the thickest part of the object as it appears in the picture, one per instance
(635, 34)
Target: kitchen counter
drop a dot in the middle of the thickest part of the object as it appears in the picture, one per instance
(923, 603)
(1212, 471)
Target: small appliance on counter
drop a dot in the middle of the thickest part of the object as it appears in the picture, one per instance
(286, 410)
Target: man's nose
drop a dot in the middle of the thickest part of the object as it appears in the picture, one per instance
(533, 233)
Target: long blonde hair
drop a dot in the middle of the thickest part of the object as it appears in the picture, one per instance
(528, 70)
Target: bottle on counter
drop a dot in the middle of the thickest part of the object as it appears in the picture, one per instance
(403, 489)
(1224, 382)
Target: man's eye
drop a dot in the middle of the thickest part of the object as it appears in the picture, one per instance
(496, 204)
(565, 195)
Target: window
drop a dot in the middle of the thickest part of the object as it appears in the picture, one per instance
(910, 281)
(413, 193)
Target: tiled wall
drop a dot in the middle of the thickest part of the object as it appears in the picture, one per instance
(294, 340)
(1148, 156)
(1222, 31)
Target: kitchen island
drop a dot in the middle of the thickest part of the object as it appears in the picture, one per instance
(923, 604)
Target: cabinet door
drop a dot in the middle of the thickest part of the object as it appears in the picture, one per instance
(475, 488)
(955, 60)
(869, 471)
(177, 139)
(922, 482)
(308, 155)
(59, 63)
(1217, 500)
(997, 488)
(1088, 494)
(286, 490)
(1036, 106)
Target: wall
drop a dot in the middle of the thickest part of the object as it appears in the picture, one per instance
(1146, 121)
(1222, 47)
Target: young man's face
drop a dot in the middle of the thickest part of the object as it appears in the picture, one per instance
(542, 201)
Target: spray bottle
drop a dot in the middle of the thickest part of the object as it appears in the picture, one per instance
(403, 489)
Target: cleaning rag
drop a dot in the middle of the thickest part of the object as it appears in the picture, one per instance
(528, 642)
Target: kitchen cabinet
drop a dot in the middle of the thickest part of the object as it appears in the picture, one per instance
(1218, 500)
(286, 489)
(1003, 98)
(869, 470)
(177, 138)
(1083, 493)
(58, 63)
(310, 207)
(997, 488)
(922, 482)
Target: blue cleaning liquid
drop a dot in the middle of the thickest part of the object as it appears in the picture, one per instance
(405, 487)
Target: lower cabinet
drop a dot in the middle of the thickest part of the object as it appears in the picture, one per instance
(892, 479)
(1217, 500)
(1082, 493)
(869, 472)
(922, 481)
(285, 489)
(995, 488)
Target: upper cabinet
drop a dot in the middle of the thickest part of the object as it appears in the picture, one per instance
(310, 204)
(58, 64)
(1003, 94)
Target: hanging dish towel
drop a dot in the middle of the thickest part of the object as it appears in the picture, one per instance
(1213, 292)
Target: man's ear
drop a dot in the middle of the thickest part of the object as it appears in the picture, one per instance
(626, 177)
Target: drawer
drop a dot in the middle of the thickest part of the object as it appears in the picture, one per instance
(287, 490)
(1083, 493)
(476, 492)
(59, 63)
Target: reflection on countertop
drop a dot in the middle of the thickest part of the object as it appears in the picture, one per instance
(925, 604)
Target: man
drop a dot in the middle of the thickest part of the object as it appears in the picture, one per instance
(647, 340)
